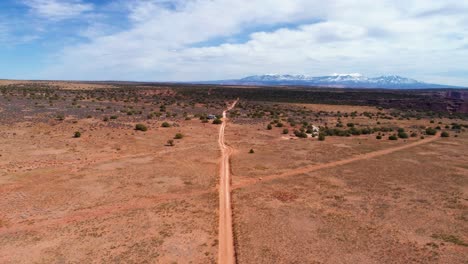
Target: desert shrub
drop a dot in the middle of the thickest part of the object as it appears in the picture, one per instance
(393, 137)
(77, 134)
(113, 117)
(300, 134)
(269, 127)
(378, 137)
(414, 134)
(445, 134)
(165, 124)
(105, 119)
(279, 124)
(366, 131)
(170, 142)
(402, 135)
(431, 131)
(217, 121)
(321, 137)
(141, 127)
(285, 131)
(178, 136)
(251, 151)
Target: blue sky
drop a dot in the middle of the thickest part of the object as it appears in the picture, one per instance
(183, 40)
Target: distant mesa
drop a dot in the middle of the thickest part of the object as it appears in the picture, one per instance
(337, 80)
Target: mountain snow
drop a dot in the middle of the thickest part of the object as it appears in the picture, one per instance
(337, 80)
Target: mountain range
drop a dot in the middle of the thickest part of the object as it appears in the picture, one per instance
(352, 80)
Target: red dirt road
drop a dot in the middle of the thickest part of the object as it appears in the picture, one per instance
(226, 240)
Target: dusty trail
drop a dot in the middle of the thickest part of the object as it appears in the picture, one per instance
(226, 240)
(307, 169)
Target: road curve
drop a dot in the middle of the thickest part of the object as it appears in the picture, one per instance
(226, 239)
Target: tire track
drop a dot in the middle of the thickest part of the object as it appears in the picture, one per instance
(312, 168)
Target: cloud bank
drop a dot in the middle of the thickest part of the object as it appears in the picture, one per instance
(180, 40)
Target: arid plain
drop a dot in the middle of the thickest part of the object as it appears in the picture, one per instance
(116, 192)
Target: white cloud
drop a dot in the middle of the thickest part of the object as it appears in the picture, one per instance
(58, 9)
(416, 38)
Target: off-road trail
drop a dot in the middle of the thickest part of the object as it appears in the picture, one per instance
(226, 240)
(312, 168)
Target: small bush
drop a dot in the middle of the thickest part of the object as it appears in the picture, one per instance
(105, 119)
(300, 134)
(170, 142)
(431, 131)
(251, 151)
(378, 137)
(269, 127)
(114, 117)
(393, 137)
(285, 131)
(178, 136)
(77, 134)
(402, 135)
(321, 137)
(445, 134)
(217, 121)
(165, 124)
(140, 127)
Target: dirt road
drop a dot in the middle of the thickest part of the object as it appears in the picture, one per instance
(226, 240)
(312, 168)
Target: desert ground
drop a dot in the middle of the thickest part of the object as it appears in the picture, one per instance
(140, 173)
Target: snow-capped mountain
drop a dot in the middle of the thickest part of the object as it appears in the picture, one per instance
(351, 80)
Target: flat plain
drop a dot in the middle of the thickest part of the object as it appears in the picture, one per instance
(114, 194)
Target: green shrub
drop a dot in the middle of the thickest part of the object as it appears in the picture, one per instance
(321, 137)
(77, 134)
(113, 117)
(445, 134)
(140, 127)
(431, 131)
(378, 137)
(269, 127)
(285, 131)
(178, 136)
(165, 124)
(217, 121)
(393, 137)
(251, 151)
(300, 134)
(170, 142)
(402, 135)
